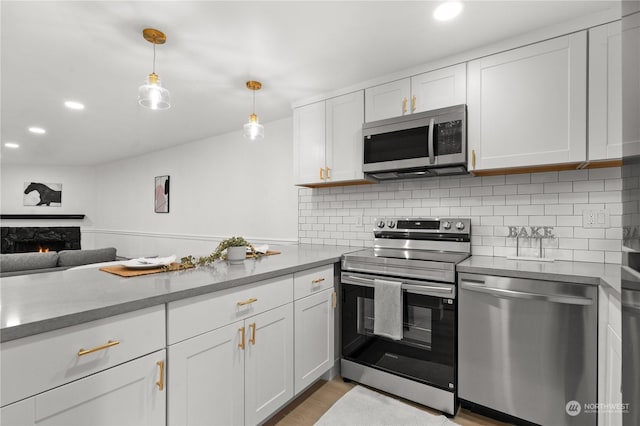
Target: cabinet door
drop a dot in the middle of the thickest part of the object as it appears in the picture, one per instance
(387, 100)
(268, 363)
(527, 106)
(314, 337)
(129, 394)
(631, 84)
(605, 92)
(345, 115)
(206, 379)
(309, 143)
(438, 89)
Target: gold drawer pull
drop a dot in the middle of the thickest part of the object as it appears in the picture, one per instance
(248, 301)
(473, 158)
(317, 281)
(252, 340)
(414, 102)
(110, 343)
(160, 382)
(321, 173)
(404, 105)
(241, 344)
(335, 300)
(328, 170)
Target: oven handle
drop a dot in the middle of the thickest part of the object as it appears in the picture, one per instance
(410, 288)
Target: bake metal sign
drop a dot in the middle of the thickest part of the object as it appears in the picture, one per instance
(532, 232)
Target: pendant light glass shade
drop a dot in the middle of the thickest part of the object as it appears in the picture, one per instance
(253, 129)
(151, 94)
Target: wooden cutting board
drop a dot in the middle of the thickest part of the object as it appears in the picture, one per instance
(123, 271)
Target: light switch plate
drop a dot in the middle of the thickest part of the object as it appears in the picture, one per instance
(595, 218)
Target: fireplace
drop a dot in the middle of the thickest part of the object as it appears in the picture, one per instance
(22, 239)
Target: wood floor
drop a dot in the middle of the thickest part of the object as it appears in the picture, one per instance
(312, 404)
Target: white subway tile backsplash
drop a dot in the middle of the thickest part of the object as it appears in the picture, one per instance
(346, 215)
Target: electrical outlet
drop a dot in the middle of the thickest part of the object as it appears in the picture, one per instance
(595, 218)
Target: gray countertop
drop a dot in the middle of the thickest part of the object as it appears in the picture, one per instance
(36, 303)
(572, 272)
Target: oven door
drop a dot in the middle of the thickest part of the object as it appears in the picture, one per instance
(427, 351)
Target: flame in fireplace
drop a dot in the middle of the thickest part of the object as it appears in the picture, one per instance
(43, 249)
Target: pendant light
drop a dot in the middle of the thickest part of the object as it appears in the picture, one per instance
(253, 129)
(151, 94)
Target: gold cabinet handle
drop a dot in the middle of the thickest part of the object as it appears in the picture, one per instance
(160, 382)
(110, 343)
(321, 173)
(473, 158)
(317, 281)
(241, 344)
(414, 103)
(335, 299)
(252, 327)
(404, 105)
(328, 175)
(248, 301)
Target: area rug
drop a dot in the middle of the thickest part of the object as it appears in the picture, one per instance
(361, 406)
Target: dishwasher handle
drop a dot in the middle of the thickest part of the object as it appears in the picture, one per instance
(513, 294)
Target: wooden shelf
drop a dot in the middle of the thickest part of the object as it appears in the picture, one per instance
(41, 216)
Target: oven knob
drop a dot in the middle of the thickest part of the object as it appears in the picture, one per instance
(459, 226)
(391, 224)
(381, 224)
(446, 225)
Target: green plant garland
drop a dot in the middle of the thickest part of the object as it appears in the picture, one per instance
(190, 261)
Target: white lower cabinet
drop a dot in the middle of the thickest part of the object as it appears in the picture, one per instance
(130, 394)
(237, 374)
(609, 355)
(206, 380)
(314, 337)
(268, 376)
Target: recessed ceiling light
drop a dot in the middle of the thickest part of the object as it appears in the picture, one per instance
(37, 130)
(11, 145)
(74, 105)
(447, 10)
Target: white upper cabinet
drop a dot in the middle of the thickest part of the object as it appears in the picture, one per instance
(328, 141)
(438, 89)
(431, 90)
(631, 94)
(605, 92)
(387, 100)
(528, 106)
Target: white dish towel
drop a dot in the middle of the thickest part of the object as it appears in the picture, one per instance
(387, 309)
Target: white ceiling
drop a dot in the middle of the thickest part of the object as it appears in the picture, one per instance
(93, 52)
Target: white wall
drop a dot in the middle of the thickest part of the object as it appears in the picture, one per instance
(220, 187)
(346, 215)
(78, 194)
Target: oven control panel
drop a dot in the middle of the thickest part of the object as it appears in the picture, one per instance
(423, 225)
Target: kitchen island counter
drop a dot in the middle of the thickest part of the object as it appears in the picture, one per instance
(572, 272)
(37, 303)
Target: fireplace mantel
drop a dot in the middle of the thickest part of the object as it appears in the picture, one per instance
(41, 216)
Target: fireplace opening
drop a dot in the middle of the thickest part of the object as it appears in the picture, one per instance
(39, 239)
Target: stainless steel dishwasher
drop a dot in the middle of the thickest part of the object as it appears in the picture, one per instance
(528, 348)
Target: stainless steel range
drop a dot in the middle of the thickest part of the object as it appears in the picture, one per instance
(399, 309)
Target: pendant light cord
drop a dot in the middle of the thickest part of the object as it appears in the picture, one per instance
(154, 58)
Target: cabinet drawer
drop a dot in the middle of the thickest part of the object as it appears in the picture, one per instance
(312, 281)
(53, 358)
(197, 315)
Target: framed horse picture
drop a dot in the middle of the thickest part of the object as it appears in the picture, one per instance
(162, 194)
(42, 194)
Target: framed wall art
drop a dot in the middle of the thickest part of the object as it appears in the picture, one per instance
(162, 194)
(42, 194)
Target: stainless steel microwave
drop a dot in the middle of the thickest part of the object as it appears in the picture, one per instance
(432, 143)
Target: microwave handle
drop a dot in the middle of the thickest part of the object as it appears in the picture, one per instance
(432, 154)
